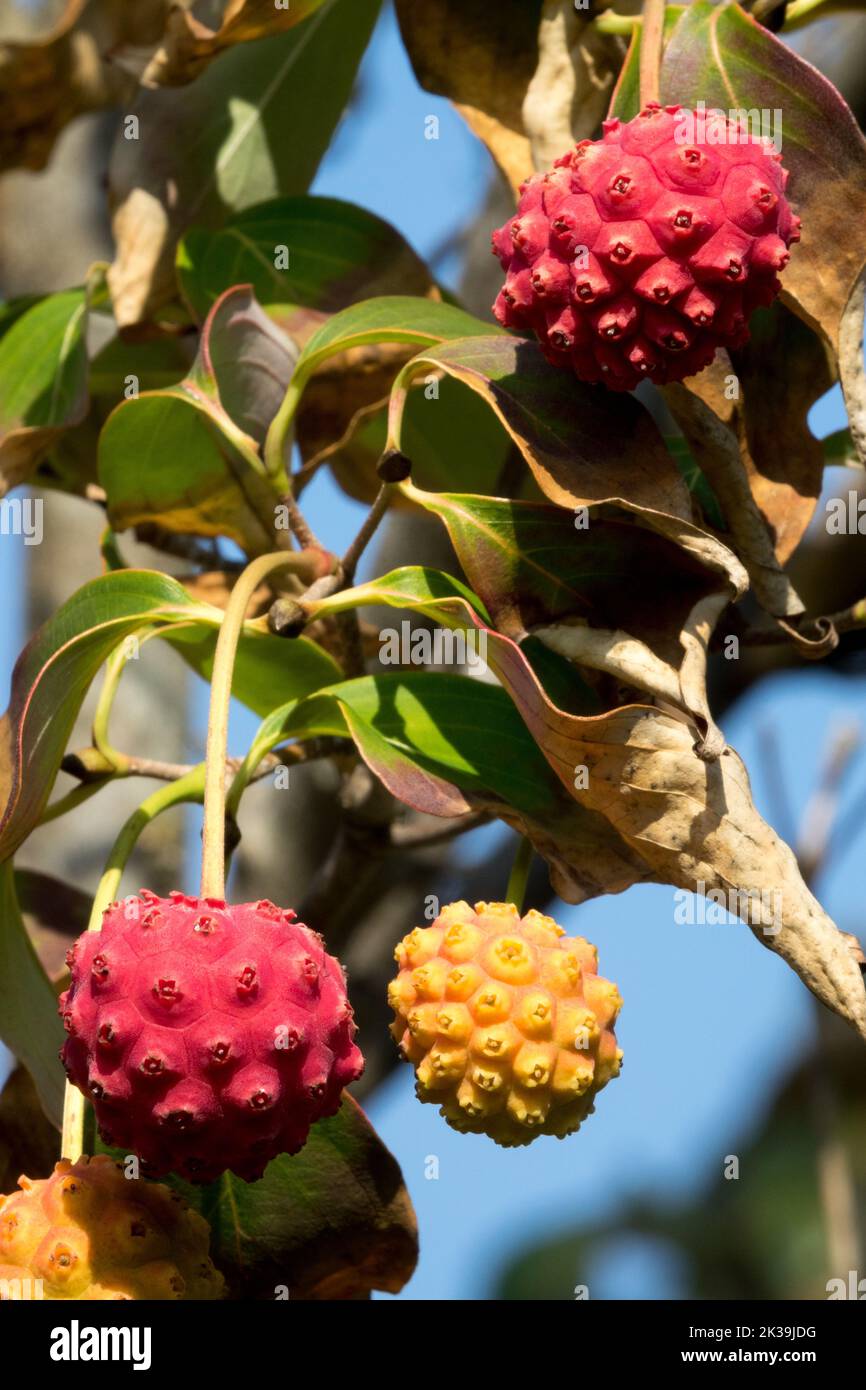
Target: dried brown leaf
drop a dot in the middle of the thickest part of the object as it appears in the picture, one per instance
(716, 447)
(568, 95)
(188, 45)
(695, 825)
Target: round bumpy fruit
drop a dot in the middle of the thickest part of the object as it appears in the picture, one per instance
(639, 255)
(89, 1232)
(208, 1037)
(508, 1025)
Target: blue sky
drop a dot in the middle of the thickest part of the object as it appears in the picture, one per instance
(711, 1020)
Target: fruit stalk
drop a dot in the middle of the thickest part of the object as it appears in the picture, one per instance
(305, 563)
(651, 46)
(519, 876)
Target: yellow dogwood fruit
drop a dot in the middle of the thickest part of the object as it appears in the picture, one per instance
(506, 1021)
(88, 1232)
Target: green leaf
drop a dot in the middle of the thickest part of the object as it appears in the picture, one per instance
(839, 450)
(55, 670)
(414, 587)
(448, 725)
(436, 742)
(187, 456)
(343, 409)
(337, 253)
(118, 368)
(452, 439)
(582, 443)
(331, 1222)
(253, 127)
(12, 309)
(29, 1022)
(391, 319)
(164, 459)
(268, 670)
(43, 380)
(530, 564)
(52, 675)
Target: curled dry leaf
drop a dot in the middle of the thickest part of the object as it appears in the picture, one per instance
(49, 76)
(695, 824)
(529, 76)
(45, 80)
(692, 823)
(635, 593)
(96, 53)
(582, 444)
(188, 45)
(570, 90)
(717, 449)
(778, 375)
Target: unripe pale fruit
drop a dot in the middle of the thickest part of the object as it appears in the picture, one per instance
(89, 1232)
(641, 254)
(506, 1021)
(208, 1037)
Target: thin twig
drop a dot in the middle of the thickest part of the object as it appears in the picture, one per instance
(381, 503)
(301, 528)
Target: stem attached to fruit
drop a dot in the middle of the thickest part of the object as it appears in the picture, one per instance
(307, 564)
(651, 47)
(518, 878)
(188, 788)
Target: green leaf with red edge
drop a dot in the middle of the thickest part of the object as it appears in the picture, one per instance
(583, 444)
(632, 592)
(679, 818)
(436, 740)
(338, 253)
(720, 55)
(43, 380)
(332, 1222)
(388, 319)
(55, 669)
(530, 563)
(187, 457)
(452, 438)
(29, 1022)
(70, 465)
(343, 380)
